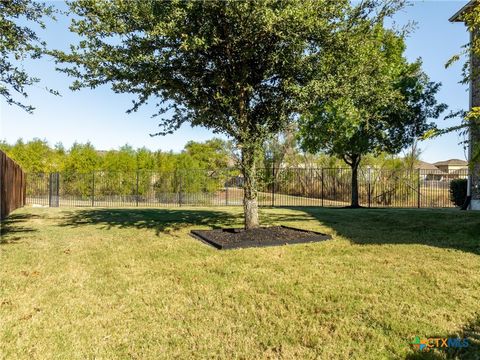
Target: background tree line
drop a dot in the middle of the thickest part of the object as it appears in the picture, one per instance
(201, 167)
(283, 150)
(37, 156)
(123, 172)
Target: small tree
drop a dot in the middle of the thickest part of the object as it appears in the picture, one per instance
(384, 105)
(235, 67)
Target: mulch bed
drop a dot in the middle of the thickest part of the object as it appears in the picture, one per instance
(264, 236)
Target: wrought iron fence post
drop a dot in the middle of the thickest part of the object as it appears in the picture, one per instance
(226, 192)
(418, 189)
(50, 190)
(273, 185)
(93, 188)
(136, 191)
(335, 183)
(323, 188)
(180, 188)
(57, 197)
(369, 188)
(53, 190)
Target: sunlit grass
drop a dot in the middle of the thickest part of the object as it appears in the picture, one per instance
(131, 283)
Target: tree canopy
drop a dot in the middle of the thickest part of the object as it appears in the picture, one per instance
(18, 41)
(235, 67)
(384, 105)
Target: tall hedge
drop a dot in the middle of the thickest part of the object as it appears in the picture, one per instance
(458, 191)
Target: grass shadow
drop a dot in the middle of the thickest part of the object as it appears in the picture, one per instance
(471, 332)
(11, 228)
(161, 220)
(444, 228)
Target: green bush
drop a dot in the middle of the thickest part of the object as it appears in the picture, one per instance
(458, 191)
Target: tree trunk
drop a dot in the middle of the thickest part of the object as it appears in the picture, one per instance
(354, 161)
(355, 203)
(250, 204)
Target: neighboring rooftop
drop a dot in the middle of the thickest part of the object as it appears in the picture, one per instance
(458, 15)
(425, 166)
(451, 162)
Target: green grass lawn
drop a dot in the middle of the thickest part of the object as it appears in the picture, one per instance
(131, 283)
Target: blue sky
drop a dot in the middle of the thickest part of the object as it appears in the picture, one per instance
(99, 115)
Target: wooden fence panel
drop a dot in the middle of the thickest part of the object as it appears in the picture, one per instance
(12, 185)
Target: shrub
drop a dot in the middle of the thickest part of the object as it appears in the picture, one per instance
(458, 191)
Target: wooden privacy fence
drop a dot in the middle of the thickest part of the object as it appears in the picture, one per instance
(13, 186)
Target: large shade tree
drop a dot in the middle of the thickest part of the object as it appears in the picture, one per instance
(384, 104)
(236, 67)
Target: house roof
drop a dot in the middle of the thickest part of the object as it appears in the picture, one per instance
(425, 165)
(451, 162)
(458, 15)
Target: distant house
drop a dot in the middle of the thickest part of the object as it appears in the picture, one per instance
(452, 166)
(442, 170)
(429, 171)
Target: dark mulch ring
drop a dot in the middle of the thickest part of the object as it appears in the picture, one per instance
(264, 236)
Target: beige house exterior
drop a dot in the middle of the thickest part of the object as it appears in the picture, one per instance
(428, 172)
(442, 170)
(474, 178)
(452, 166)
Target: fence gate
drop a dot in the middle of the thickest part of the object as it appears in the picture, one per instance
(54, 190)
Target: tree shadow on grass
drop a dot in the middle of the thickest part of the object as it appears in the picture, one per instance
(161, 220)
(444, 228)
(471, 332)
(11, 228)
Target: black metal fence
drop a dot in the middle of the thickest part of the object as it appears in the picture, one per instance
(277, 187)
